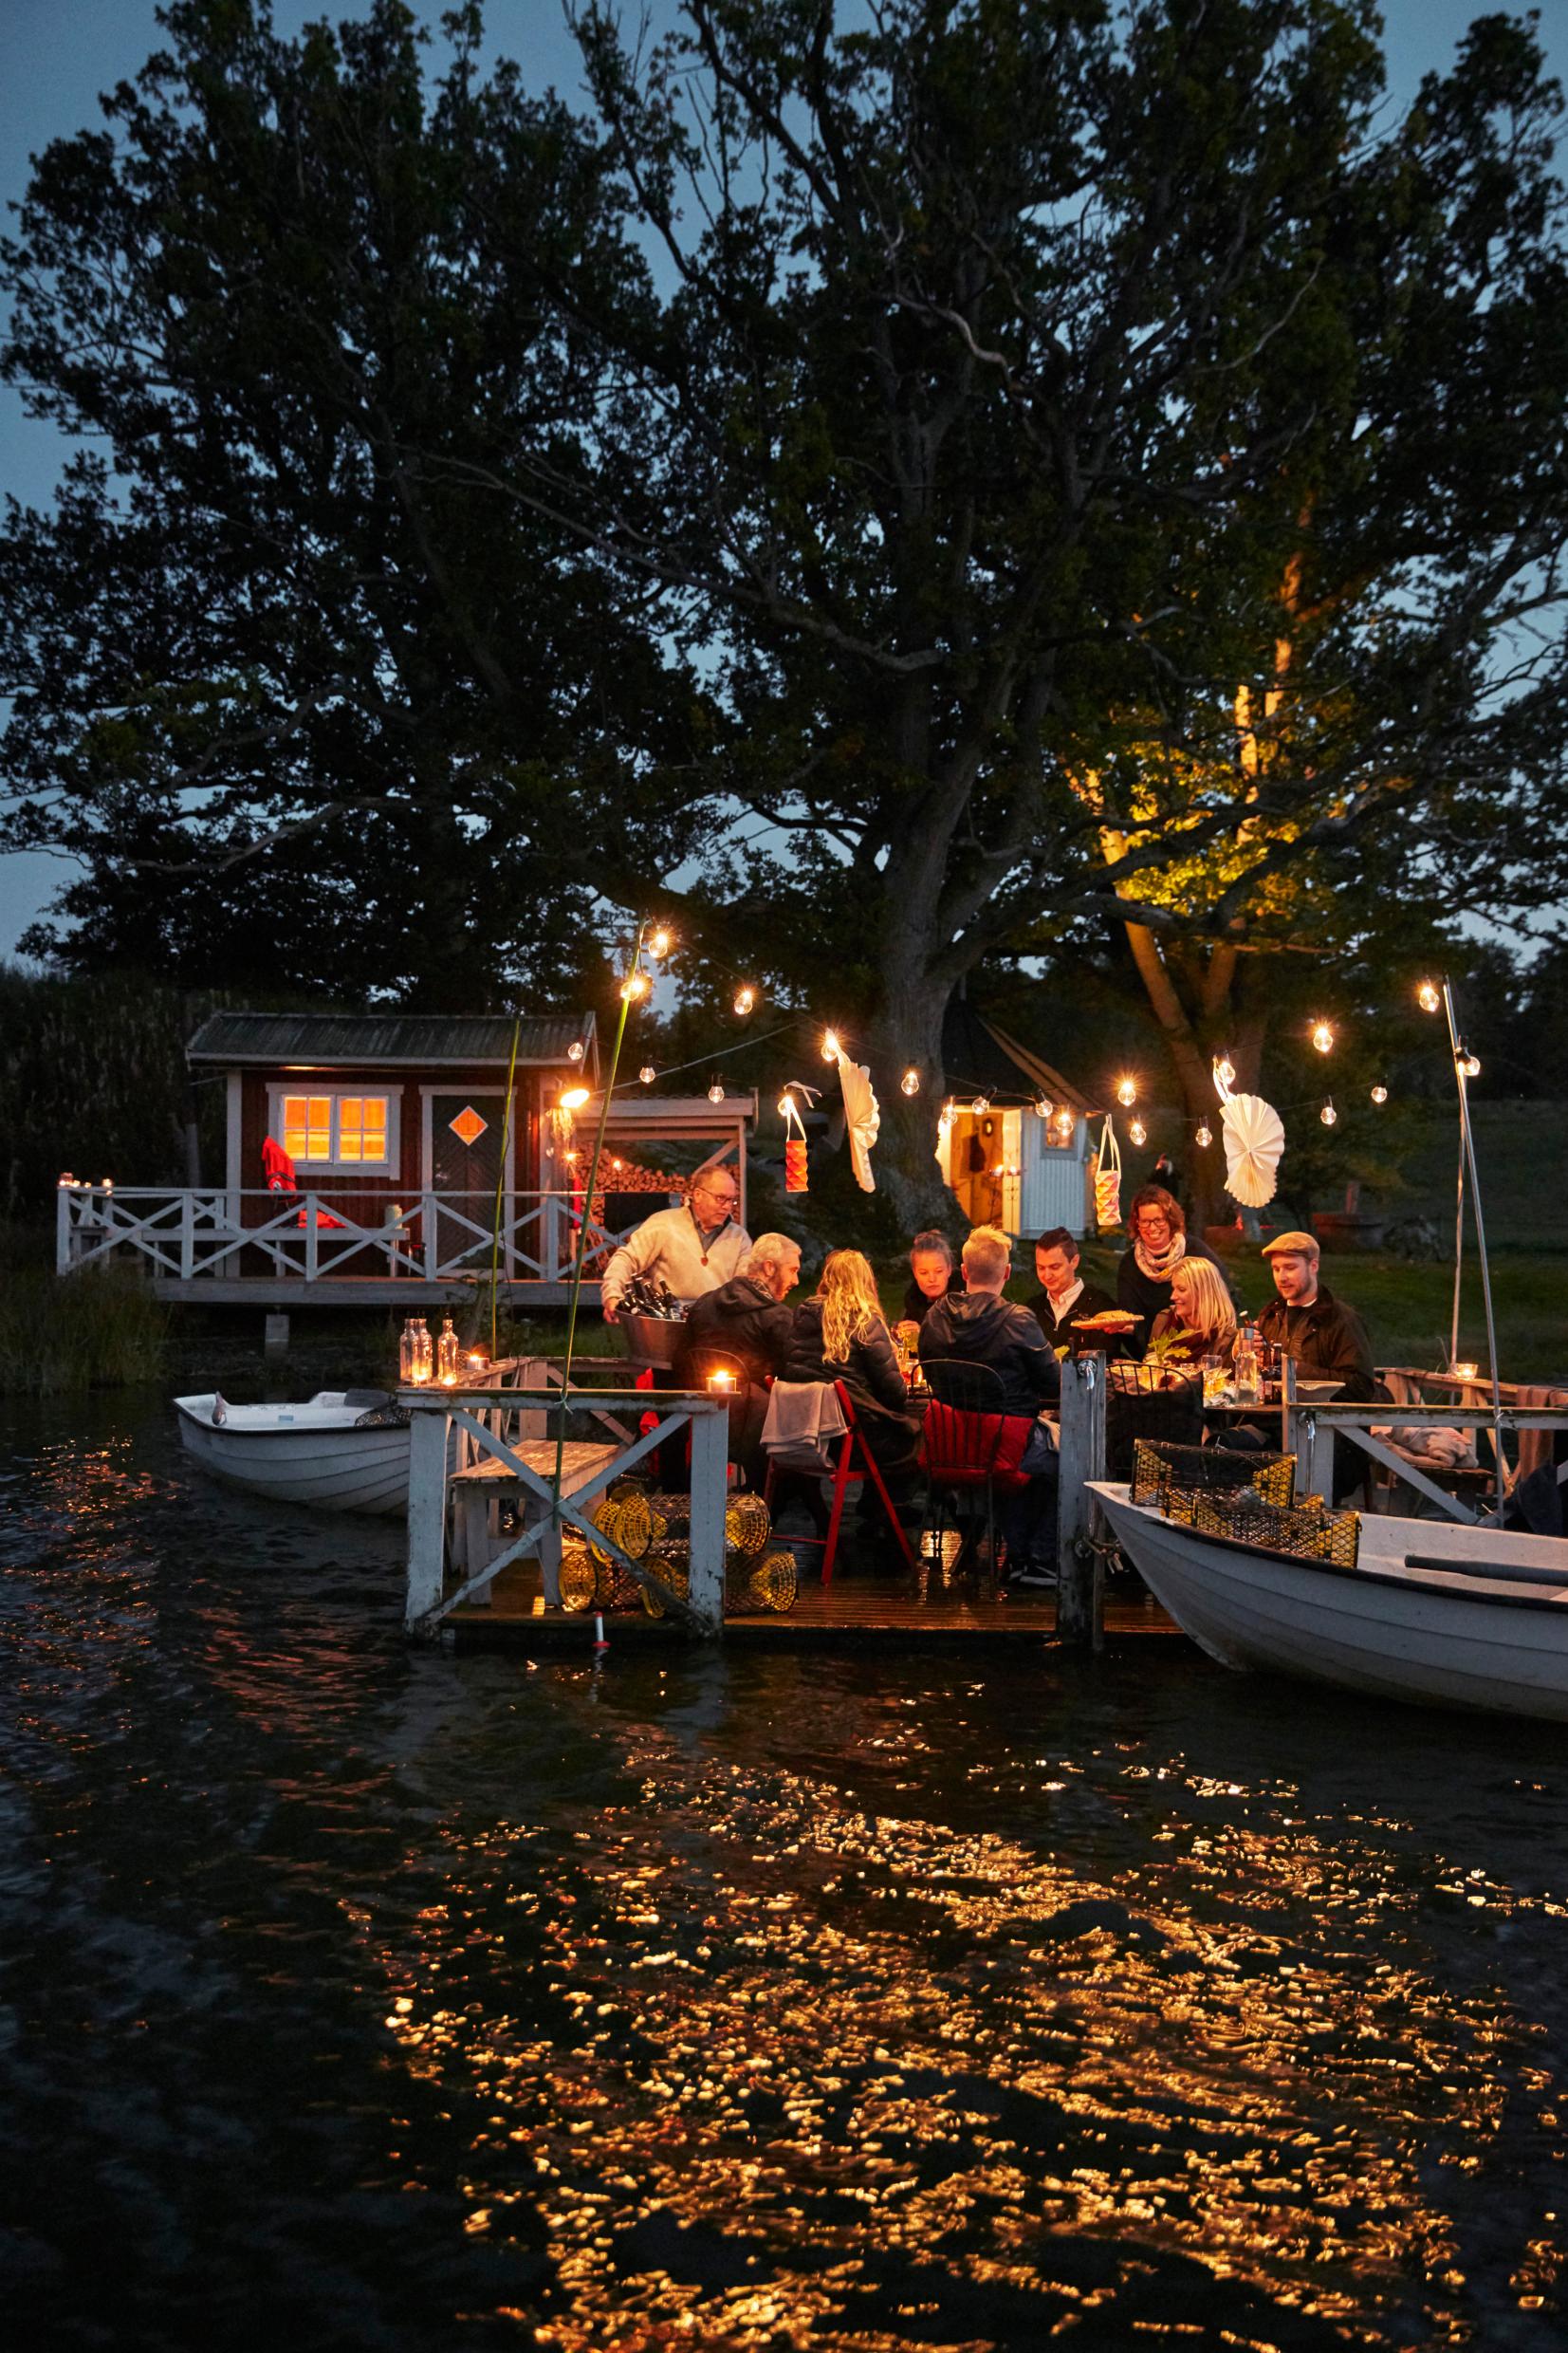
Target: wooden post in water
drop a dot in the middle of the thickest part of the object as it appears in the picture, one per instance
(1081, 1578)
(710, 1463)
(427, 1512)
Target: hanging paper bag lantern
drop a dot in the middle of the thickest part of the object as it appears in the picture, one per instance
(797, 1175)
(1108, 1179)
(796, 1178)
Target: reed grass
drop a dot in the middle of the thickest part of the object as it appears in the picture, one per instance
(102, 1329)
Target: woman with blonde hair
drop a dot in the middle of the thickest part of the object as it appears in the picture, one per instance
(841, 1334)
(1200, 1306)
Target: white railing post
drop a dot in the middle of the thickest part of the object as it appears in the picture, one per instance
(1080, 1578)
(427, 1227)
(187, 1235)
(427, 1510)
(62, 1229)
(312, 1236)
(710, 1466)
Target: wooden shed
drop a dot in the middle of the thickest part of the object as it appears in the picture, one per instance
(1006, 1164)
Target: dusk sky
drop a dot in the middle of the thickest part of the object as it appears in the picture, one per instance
(57, 55)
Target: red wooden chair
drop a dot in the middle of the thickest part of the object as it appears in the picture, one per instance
(969, 1444)
(854, 1460)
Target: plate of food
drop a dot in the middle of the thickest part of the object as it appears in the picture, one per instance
(1108, 1319)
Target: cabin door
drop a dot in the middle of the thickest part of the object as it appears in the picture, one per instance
(463, 1160)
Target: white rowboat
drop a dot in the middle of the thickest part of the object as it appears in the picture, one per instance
(1444, 1615)
(319, 1454)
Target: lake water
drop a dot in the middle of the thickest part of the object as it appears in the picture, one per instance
(363, 1997)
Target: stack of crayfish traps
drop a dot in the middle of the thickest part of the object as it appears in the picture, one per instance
(1247, 1499)
(655, 1530)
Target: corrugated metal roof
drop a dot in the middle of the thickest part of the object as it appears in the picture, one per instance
(361, 1038)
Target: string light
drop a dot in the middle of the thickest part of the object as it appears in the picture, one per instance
(1429, 996)
(634, 985)
(1328, 1114)
(1226, 1072)
(1379, 1094)
(647, 1074)
(1042, 1106)
(1204, 1136)
(1064, 1123)
(1322, 1037)
(715, 1093)
(660, 944)
(1127, 1091)
(1138, 1133)
(981, 1104)
(786, 1105)
(1470, 1065)
(831, 1048)
(572, 1098)
(910, 1083)
(574, 1051)
(745, 999)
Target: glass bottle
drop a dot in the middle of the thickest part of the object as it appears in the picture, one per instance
(1250, 1385)
(408, 1351)
(446, 1355)
(424, 1354)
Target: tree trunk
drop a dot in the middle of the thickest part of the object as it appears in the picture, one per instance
(907, 1035)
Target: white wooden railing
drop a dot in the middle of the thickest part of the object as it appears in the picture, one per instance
(192, 1234)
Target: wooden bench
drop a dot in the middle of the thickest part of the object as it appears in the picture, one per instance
(479, 1489)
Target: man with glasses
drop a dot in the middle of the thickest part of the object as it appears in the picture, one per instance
(691, 1250)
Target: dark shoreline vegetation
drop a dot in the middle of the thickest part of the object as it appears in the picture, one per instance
(101, 1330)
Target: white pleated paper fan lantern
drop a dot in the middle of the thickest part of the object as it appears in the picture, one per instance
(1254, 1138)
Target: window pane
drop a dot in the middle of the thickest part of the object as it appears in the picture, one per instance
(374, 1126)
(294, 1126)
(350, 1127)
(318, 1128)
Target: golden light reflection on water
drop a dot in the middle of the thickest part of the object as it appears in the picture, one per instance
(821, 2076)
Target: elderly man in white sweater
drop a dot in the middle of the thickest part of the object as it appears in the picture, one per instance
(692, 1249)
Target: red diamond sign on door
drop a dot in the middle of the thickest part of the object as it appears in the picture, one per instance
(467, 1127)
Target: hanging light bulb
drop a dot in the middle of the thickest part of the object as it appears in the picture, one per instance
(1226, 1072)
(745, 999)
(1328, 1114)
(981, 1104)
(1204, 1136)
(1064, 1123)
(1470, 1065)
(1042, 1107)
(1127, 1091)
(1322, 1037)
(910, 1083)
(1429, 996)
(636, 985)
(1138, 1133)
(1379, 1094)
(574, 1051)
(660, 944)
(647, 1074)
(715, 1093)
(572, 1098)
(786, 1104)
(831, 1048)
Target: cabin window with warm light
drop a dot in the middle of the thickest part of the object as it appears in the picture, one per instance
(333, 1130)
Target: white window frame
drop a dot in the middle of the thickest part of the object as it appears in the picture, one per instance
(390, 1094)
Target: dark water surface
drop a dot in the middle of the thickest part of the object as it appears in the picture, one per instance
(362, 1998)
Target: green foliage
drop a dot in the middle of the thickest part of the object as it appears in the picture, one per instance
(98, 1330)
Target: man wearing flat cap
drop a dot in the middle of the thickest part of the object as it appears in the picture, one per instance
(1325, 1338)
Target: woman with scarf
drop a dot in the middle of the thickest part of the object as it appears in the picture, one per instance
(1158, 1229)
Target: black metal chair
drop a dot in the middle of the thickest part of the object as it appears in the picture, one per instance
(1158, 1402)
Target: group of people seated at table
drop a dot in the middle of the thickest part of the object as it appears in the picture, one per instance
(954, 1312)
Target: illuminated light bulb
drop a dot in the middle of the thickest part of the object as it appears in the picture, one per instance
(647, 1074)
(1470, 1065)
(715, 1093)
(910, 1083)
(1379, 1094)
(573, 1098)
(1138, 1133)
(1226, 1072)
(109, 1182)
(1429, 996)
(634, 985)
(660, 944)
(786, 1104)
(1466, 1371)
(745, 999)
(1064, 1121)
(981, 1104)
(1328, 1114)
(831, 1048)
(1127, 1092)
(574, 1051)
(1322, 1037)
(1205, 1136)
(1042, 1107)
(571, 1156)
(614, 1164)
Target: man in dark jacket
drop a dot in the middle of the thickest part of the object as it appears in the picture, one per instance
(1323, 1335)
(984, 1328)
(1065, 1296)
(745, 1318)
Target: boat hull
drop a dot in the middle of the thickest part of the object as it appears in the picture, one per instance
(1440, 1635)
(329, 1463)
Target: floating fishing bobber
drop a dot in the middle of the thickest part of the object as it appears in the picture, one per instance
(981, 1104)
(1204, 1136)
(647, 1074)
(1322, 1037)
(831, 1048)
(1042, 1107)
(715, 1093)
(636, 985)
(745, 1000)
(1127, 1091)
(1138, 1133)
(660, 944)
(1379, 1094)
(1429, 996)
(1328, 1114)
(574, 1051)
(910, 1083)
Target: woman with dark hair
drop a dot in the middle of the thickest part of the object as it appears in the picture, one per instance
(1159, 1243)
